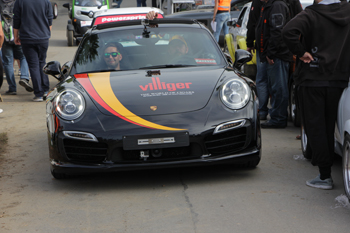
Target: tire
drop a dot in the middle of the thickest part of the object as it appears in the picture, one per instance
(346, 165)
(54, 10)
(70, 38)
(294, 112)
(305, 147)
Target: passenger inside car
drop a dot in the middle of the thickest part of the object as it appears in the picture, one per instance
(177, 46)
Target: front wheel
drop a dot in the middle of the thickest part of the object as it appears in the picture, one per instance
(54, 10)
(70, 38)
(346, 165)
(293, 109)
(305, 147)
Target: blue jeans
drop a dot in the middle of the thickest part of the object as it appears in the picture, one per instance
(36, 58)
(9, 51)
(221, 23)
(262, 86)
(277, 75)
(141, 3)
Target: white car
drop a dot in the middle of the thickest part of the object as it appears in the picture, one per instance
(342, 137)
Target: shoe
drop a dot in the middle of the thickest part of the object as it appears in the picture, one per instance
(320, 184)
(19, 72)
(24, 83)
(45, 95)
(38, 99)
(263, 118)
(1, 110)
(10, 93)
(269, 125)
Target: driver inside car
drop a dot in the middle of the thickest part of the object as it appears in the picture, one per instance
(112, 56)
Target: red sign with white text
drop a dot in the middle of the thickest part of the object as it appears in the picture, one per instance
(117, 18)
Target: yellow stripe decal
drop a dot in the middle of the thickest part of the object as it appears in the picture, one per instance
(102, 85)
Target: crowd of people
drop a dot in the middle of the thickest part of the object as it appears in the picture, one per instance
(319, 38)
(25, 34)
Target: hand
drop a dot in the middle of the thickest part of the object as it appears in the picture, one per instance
(251, 50)
(17, 41)
(306, 58)
(270, 61)
(152, 15)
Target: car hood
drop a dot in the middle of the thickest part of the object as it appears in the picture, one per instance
(167, 91)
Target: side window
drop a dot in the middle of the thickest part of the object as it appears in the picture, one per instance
(238, 4)
(241, 17)
(246, 17)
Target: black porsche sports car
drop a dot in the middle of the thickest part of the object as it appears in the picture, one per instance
(161, 106)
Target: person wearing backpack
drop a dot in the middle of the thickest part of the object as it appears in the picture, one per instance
(32, 22)
(11, 50)
(294, 7)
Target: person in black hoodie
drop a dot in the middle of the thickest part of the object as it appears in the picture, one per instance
(294, 7)
(273, 58)
(320, 37)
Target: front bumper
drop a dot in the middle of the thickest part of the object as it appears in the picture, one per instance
(72, 168)
(241, 145)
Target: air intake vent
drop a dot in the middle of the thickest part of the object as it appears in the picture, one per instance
(226, 142)
(85, 151)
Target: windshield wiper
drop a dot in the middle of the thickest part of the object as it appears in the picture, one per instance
(165, 66)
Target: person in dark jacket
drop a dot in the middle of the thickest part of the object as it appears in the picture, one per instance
(32, 24)
(273, 58)
(324, 48)
(261, 80)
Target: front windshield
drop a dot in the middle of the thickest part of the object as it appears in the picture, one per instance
(90, 3)
(155, 48)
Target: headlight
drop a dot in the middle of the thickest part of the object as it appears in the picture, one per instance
(69, 104)
(235, 93)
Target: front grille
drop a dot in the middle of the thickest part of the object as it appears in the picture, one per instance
(85, 151)
(226, 142)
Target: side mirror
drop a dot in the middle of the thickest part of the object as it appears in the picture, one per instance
(242, 57)
(66, 5)
(53, 68)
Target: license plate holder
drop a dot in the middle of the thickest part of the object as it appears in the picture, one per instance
(156, 141)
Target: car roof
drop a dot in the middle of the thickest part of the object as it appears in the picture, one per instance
(173, 22)
(123, 14)
(127, 10)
